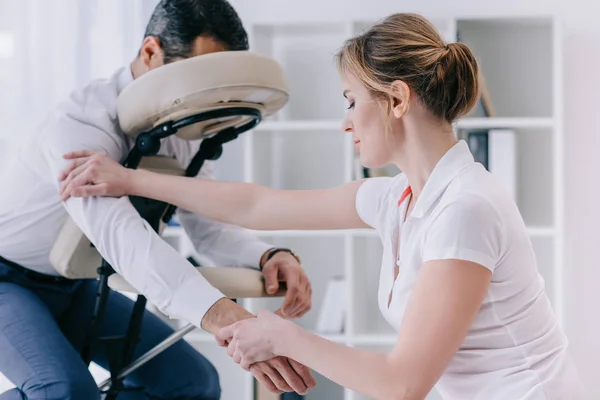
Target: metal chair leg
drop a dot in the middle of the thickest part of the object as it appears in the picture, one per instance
(150, 354)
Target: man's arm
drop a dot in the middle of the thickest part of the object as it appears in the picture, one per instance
(224, 244)
(123, 238)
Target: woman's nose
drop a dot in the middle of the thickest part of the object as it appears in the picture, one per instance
(347, 125)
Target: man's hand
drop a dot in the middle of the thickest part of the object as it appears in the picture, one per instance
(285, 267)
(281, 374)
(278, 374)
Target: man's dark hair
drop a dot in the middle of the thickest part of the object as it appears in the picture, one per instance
(177, 23)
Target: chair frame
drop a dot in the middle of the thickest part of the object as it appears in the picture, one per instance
(121, 348)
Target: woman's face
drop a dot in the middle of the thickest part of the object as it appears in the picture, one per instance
(368, 122)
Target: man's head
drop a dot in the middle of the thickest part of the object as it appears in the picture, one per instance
(181, 29)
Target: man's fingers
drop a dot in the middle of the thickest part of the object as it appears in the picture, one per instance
(304, 305)
(271, 282)
(275, 376)
(304, 373)
(291, 297)
(258, 373)
(294, 380)
(231, 348)
(225, 334)
(78, 154)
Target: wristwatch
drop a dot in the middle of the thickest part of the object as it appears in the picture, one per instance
(276, 250)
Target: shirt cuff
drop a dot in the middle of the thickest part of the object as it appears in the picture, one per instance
(193, 299)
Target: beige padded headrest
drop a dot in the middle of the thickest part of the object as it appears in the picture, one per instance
(210, 81)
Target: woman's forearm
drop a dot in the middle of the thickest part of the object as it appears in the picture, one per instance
(369, 373)
(229, 202)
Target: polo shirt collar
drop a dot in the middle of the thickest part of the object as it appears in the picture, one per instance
(451, 164)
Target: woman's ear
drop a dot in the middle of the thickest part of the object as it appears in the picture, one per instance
(400, 93)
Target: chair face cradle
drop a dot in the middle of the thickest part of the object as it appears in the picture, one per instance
(207, 97)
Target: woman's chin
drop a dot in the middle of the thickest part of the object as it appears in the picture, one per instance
(371, 164)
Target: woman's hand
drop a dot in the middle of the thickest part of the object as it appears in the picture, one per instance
(93, 174)
(255, 339)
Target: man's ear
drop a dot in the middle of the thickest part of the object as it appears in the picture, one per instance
(151, 54)
(400, 93)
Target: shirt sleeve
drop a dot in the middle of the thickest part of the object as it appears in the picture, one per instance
(468, 229)
(223, 244)
(123, 238)
(369, 199)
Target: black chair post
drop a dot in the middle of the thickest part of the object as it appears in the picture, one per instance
(121, 348)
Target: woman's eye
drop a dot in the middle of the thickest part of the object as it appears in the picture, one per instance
(351, 105)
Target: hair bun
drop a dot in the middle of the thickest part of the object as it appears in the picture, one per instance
(455, 80)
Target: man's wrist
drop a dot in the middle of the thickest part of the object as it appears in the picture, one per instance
(223, 313)
(270, 253)
(263, 258)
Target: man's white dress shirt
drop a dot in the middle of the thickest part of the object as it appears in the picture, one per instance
(31, 213)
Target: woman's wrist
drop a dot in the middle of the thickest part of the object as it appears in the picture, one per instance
(134, 182)
(287, 335)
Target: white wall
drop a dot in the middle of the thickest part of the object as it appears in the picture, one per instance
(581, 34)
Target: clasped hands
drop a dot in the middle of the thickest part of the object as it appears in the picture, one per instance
(252, 342)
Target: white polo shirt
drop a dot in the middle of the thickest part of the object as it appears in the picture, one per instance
(514, 349)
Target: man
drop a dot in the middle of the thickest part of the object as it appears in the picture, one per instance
(41, 314)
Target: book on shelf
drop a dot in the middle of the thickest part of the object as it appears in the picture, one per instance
(333, 310)
(496, 150)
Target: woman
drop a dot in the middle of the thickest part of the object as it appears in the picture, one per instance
(459, 280)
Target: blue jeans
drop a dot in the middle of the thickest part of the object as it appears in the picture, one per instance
(42, 331)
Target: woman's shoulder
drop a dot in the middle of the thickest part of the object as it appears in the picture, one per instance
(479, 196)
(376, 195)
(384, 189)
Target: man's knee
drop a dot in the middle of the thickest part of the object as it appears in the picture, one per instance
(206, 388)
(204, 384)
(83, 388)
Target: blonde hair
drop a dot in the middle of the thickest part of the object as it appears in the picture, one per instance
(407, 47)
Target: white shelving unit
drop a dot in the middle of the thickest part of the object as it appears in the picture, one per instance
(304, 147)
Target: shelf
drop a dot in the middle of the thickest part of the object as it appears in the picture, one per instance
(508, 123)
(299, 125)
(464, 123)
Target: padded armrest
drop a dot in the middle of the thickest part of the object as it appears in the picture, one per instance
(232, 282)
(206, 82)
